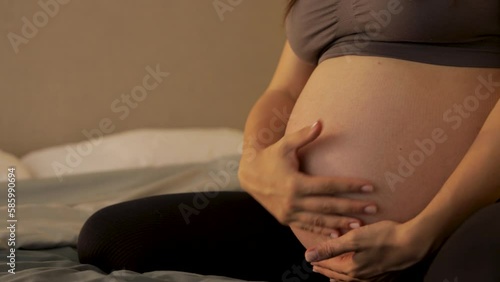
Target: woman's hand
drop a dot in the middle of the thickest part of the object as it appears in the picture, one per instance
(366, 253)
(312, 203)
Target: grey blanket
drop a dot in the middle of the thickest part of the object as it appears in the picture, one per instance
(50, 214)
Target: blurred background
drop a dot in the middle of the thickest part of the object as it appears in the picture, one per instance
(71, 70)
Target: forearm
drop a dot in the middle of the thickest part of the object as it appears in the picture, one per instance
(266, 122)
(475, 183)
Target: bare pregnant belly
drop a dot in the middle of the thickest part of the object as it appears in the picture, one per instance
(402, 125)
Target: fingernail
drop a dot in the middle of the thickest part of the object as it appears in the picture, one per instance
(333, 280)
(312, 256)
(371, 209)
(334, 235)
(315, 269)
(367, 188)
(354, 225)
(314, 124)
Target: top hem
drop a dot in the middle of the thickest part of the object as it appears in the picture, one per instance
(481, 56)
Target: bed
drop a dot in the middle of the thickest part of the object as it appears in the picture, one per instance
(50, 213)
(52, 209)
(108, 101)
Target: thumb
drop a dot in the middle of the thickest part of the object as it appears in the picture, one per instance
(330, 249)
(302, 137)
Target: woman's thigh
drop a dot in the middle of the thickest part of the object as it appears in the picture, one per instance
(188, 232)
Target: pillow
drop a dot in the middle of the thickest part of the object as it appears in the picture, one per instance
(134, 149)
(7, 161)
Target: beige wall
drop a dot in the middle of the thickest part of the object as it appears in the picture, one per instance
(69, 76)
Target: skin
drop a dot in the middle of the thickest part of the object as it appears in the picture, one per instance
(293, 197)
(393, 246)
(351, 148)
(370, 129)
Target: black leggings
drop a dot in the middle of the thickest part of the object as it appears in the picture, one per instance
(230, 234)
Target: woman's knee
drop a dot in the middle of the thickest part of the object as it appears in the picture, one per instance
(472, 251)
(97, 240)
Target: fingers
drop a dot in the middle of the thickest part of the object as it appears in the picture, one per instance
(321, 223)
(332, 248)
(333, 275)
(317, 212)
(333, 205)
(339, 268)
(327, 185)
(325, 231)
(299, 139)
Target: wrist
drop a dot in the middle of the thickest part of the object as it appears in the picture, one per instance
(428, 234)
(248, 153)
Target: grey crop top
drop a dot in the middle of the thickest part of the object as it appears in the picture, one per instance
(443, 32)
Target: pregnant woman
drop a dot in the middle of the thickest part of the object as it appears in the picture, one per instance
(385, 167)
(401, 88)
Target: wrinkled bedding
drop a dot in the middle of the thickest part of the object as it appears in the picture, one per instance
(61, 264)
(51, 212)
